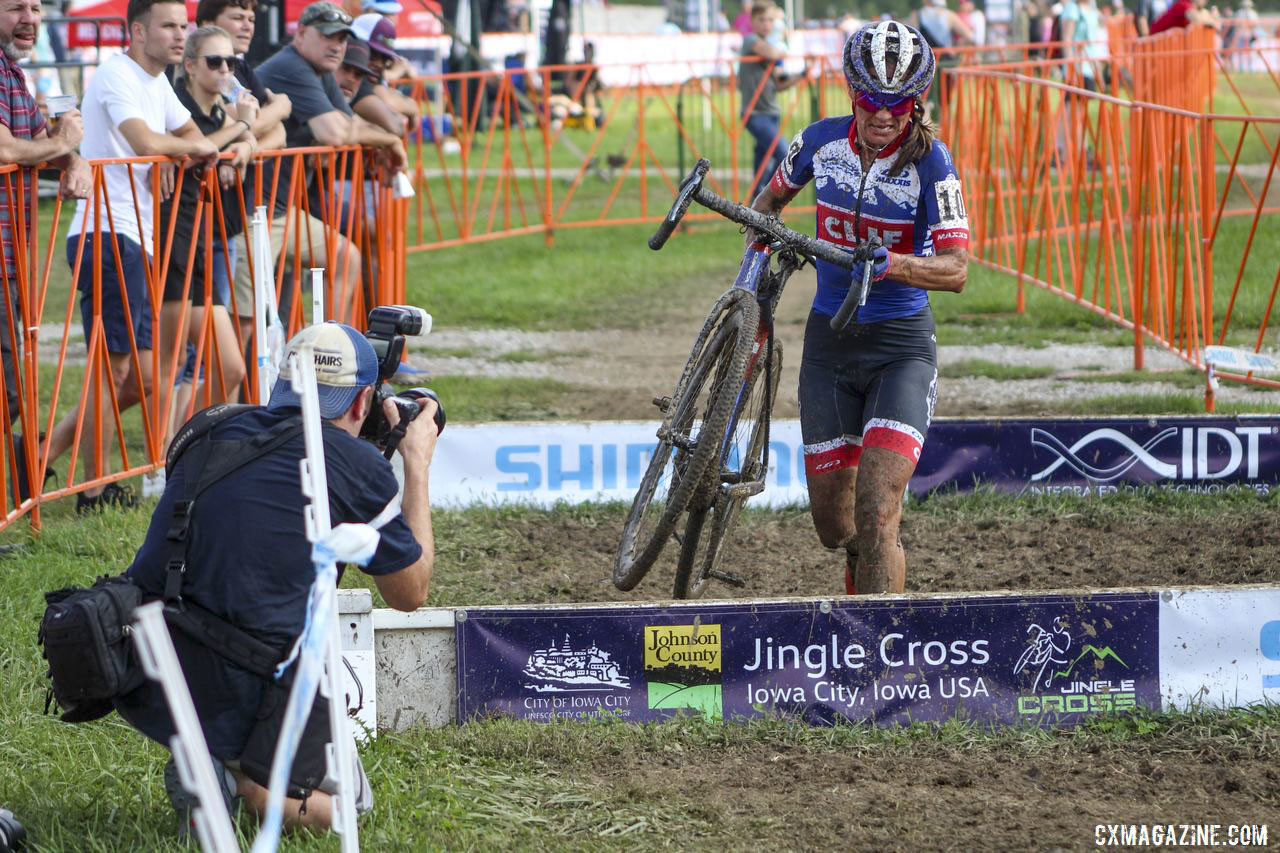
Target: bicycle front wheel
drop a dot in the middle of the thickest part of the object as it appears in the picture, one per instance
(741, 468)
(690, 435)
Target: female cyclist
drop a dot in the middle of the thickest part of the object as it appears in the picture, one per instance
(867, 393)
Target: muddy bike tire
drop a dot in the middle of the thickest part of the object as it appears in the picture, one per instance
(696, 410)
(707, 527)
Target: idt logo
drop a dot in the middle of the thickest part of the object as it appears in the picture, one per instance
(1269, 645)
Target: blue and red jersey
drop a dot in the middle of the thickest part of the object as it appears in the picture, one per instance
(919, 211)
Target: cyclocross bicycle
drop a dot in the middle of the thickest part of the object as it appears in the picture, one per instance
(713, 443)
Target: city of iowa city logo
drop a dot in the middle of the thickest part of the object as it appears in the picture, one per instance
(683, 668)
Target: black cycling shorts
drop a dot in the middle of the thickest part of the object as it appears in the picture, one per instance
(872, 385)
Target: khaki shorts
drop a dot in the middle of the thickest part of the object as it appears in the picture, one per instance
(309, 252)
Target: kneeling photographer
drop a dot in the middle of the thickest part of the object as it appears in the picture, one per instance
(232, 501)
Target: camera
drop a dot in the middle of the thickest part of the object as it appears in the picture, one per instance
(389, 325)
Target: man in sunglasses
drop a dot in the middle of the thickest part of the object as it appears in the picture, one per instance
(867, 392)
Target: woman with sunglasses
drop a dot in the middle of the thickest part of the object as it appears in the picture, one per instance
(867, 393)
(207, 70)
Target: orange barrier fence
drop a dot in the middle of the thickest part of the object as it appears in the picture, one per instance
(169, 331)
(1144, 212)
(532, 152)
(1134, 183)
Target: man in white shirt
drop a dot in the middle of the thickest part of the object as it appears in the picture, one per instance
(129, 110)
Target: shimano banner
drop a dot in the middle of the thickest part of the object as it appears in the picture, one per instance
(1008, 659)
(543, 463)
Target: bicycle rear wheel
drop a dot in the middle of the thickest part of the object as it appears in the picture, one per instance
(690, 434)
(739, 468)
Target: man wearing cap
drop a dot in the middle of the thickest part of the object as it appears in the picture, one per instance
(357, 81)
(380, 34)
(248, 558)
(304, 70)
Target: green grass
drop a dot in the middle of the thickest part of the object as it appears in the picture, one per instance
(1159, 404)
(520, 283)
(992, 370)
(568, 786)
(475, 399)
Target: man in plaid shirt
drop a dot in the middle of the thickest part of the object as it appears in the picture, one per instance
(27, 140)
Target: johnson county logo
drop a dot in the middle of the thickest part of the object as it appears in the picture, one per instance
(683, 668)
(1066, 680)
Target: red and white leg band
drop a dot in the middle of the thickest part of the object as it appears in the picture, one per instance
(828, 456)
(895, 436)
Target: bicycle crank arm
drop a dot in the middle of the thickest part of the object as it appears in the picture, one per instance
(742, 491)
(727, 577)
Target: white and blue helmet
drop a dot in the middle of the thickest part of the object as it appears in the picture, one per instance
(867, 54)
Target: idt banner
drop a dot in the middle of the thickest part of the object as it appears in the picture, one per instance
(542, 463)
(1031, 659)
(1102, 455)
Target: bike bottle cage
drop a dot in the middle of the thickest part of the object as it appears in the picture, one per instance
(200, 471)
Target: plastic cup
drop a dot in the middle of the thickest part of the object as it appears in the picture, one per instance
(59, 104)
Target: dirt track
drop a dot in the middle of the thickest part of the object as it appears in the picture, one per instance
(567, 557)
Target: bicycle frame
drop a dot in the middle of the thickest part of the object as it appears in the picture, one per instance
(757, 276)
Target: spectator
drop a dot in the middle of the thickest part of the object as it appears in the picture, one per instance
(207, 64)
(941, 27)
(248, 566)
(1184, 14)
(389, 9)
(742, 23)
(28, 140)
(386, 64)
(130, 110)
(973, 18)
(1084, 36)
(237, 18)
(588, 88)
(358, 83)
(303, 70)
(759, 82)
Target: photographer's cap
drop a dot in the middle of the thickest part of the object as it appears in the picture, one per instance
(345, 363)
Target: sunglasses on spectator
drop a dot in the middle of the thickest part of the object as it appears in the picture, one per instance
(330, 16)
(215, 63)
(874, 104)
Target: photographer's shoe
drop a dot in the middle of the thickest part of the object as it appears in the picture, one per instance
(113, 495)
(184, 802)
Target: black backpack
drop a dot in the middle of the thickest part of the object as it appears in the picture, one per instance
(86, 633)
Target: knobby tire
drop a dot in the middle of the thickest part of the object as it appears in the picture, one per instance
(701, 548)
(717, 365)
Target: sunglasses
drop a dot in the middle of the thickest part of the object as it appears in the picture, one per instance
(216, 63)
(874, 104)
(329, 16)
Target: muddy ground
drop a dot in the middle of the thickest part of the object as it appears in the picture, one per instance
(567, 556)
(932, 797)
(950, 793)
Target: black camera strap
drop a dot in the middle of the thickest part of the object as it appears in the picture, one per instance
(207, 462)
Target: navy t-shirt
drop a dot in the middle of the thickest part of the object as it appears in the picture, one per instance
(312, 94)
(248, 561)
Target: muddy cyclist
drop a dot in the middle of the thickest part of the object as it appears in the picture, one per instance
(867, 392)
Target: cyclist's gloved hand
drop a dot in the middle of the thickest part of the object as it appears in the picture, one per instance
(879, 265)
